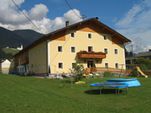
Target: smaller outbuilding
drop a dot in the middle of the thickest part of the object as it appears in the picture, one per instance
(5, 66)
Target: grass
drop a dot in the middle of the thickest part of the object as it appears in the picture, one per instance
(35, 95)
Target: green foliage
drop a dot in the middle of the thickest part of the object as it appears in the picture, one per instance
(145, 64)
(134, 73)
(108, 74)
(77, 71)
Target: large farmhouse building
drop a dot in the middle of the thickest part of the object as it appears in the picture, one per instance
(89, 42)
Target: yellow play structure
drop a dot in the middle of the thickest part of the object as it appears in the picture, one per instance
(141, 72)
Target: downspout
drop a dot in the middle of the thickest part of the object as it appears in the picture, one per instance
(48, 58)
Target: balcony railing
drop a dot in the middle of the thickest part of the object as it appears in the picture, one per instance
(95, 55)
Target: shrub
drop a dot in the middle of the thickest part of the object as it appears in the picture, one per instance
(134, 73)
(77, 71)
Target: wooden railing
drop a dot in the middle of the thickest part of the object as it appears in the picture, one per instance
(112, 70)
(85, 54)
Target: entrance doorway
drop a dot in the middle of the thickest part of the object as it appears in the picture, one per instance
(90, 64)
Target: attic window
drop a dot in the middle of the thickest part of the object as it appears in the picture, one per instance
(105, 37)
(89, 35)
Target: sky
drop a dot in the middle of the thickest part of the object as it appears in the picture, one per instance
(129, 17)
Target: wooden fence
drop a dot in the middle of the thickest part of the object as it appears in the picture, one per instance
(102, 70)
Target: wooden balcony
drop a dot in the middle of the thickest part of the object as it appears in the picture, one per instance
(95, 55)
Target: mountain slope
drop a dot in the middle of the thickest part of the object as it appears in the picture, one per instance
(28, 35)
(10, 39)
(14, 39)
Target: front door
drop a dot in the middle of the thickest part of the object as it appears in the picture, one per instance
(90, 64)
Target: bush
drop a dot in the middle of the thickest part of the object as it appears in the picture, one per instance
(134, 73)
(77, 71)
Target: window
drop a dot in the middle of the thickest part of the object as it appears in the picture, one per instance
(105, 37)
(106, 50)
(72, 34)
(60, 65)
(89, 35)
(73, 65)
(116, 65)
(59, 48)
(90, 48)
(115, 51)
(106, 65)
(73, 49)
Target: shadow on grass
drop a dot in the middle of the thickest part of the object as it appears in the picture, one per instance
(103, 91)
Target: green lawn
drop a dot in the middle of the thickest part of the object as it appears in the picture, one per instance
(36, 95)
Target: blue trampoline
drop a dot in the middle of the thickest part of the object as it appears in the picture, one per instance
(130, 82)
(97, 84)
(119, 82)
(110, 85)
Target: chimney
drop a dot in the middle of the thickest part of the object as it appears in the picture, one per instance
(67, 23)
(97, 18)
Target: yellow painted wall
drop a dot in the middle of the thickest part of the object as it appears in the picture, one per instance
(38, 58)
(81, 42)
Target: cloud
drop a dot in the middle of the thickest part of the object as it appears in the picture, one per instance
(9, 13)
(73, 15)
(130, 16)
(38, 12)
(11, 18)
(70, 16)
(136, 25)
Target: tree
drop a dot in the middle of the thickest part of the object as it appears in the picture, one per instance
(144, 64)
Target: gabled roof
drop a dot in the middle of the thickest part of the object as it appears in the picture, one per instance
(93, 20)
